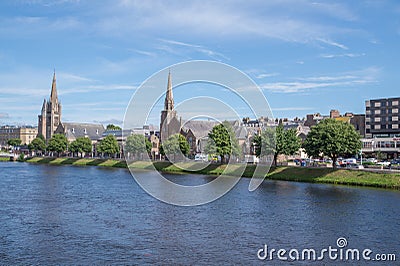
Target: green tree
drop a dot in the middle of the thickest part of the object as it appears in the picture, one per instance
(222, 141)
(40, 136)
(137, 144)
(109, 145)
(81, 145)
(176, 144)
(113, 127)
(58, 143)
(332, 138)
(292, 143)
(37, 144)
(277, 141)
(14, 142)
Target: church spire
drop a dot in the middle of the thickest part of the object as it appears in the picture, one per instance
(169, 98)
(53, 95)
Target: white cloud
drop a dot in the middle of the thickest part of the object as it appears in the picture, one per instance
(146, 53)
(198, 48)
(68, 77)
(351, 55)
(303, 84)
(266, 75)
(333, 43)
(271, 19)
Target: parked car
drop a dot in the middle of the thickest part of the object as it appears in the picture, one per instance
(395, 162)
(201, 157)
(371, 160)
(355, 166)
(385, 163)
(349, 161)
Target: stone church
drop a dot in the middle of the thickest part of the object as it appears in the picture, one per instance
(50, 123)
(169, 123)
(196, 131)
(50, 116)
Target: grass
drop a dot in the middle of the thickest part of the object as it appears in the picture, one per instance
(338, 176)
(4, 159)
(287, 173)
(78, 161)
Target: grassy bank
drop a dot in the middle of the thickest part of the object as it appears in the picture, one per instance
(299, 174)
(4, 159)
(77, 161)
(339, 176)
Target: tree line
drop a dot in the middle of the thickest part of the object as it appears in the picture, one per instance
(329, 138)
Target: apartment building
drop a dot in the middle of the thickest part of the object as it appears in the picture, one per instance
(25, 133)
(382, 118)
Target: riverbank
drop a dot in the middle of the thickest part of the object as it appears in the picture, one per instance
(287, 173)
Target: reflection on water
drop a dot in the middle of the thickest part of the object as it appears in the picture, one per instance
(90, 215)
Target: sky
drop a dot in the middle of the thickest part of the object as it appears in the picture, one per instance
(305, 56)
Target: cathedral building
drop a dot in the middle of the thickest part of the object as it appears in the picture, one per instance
(169, 123)
(50, 116)
(49, 122)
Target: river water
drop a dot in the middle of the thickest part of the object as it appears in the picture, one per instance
(93, 215)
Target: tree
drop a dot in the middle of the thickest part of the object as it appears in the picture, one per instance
(14, 142)
(81, 145)
(58, 143)
(40, 136)
(332, 138)
(265, 143)
(108, 145)
(292, 143)
(137, 144)
(176, 144)
(277, 141)
(222, 141)
(37, 144)
(113, 127)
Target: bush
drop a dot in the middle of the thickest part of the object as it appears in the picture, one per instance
(21, 158)
(368, 163)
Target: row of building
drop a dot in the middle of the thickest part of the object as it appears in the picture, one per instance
(379, 126)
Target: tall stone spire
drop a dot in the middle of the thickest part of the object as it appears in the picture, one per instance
(169, 98)
(50, 116)
(53, 94)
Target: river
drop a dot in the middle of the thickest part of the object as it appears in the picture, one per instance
(93, 215)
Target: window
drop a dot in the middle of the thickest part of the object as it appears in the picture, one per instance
(396, 102)
(377, 104)
(395, 118)
(377, 126)
(395, 111)
(377, 112)
(395, 126)
(377, 119)
(367, 144)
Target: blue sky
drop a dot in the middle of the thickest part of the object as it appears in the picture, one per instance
(306, 56)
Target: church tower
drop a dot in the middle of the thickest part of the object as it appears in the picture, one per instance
(50, 116)
(168, 120)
